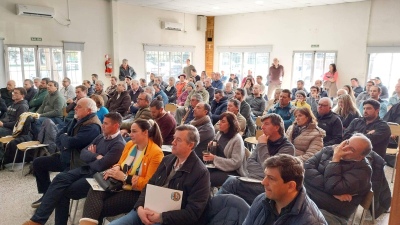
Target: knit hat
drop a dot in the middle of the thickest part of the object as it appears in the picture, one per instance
(300, 92)
(191, 84)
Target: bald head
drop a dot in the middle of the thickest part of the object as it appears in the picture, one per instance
(10, 85)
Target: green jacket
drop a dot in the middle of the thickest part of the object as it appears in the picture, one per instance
(37, 100)
(52, 105)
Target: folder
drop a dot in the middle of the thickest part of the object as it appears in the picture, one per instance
(161, 199)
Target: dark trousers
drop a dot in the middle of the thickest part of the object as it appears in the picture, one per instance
(100, 204)
(42, 167)
(218, 177)
(246, 190)
(65, 186)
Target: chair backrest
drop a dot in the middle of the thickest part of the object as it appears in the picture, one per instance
(170, 108)
(259, 133)
(367, 201)
(258, 122)
(394, 129)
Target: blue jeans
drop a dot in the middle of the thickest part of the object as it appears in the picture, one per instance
(65, 186)
(132, 218)
(246, 190)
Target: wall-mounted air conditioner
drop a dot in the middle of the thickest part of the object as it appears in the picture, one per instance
(171, 26)
(33, 10)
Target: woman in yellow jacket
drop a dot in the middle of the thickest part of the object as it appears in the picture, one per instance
(138, 162)
(300, 100)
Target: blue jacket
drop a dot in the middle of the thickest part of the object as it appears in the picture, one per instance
(76, 135)
(163, 95)
(304, 212)
(286, 113)
(217, 84)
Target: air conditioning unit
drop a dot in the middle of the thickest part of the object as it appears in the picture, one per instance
(171, 26)
(32, 10)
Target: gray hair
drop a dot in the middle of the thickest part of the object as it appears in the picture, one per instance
(124, 60)
(90, 104)
(327, 99)
(200, 83)
(197, 96)
(148, 96)
(172, 78)
(100, 83)
(193, 134)
(151, 89)
(135, 82)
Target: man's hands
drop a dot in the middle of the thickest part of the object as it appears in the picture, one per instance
(148, 216)
(344, 197)
(263, 139)
(341, 150)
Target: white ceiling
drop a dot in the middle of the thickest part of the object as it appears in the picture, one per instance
(229, 7)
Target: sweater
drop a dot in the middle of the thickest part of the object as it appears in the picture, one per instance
(30, 93)
(37, 100)
(52, 105)
(235, 156)
(167, 126)
(308, 142)
(257, 104)
(7, 96)
(110, 150)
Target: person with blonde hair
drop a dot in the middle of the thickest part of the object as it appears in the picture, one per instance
(304, 134)
(346, 109)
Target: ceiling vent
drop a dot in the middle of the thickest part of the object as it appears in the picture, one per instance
(32, 10)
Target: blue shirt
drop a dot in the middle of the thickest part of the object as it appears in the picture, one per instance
(103, 111)
(217, 84)
(286, 113)
(394, 100)
(163, 95)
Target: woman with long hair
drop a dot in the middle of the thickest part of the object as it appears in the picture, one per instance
(304, 134)
(248, 86)
(350, 92)
(229, 156)
(346, 109)
(138, 162)
(330, 79)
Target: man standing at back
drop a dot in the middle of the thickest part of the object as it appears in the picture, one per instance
(275, 76)
(188, 68)
(182, 170)
(337, 178)
(285, 201)
(126, 70)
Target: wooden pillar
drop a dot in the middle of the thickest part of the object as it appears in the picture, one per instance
(394, 217)
(209, 45)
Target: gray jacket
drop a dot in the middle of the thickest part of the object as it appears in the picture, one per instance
(235, 156)
(257, 104)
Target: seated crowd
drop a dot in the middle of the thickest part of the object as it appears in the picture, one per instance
(311, 163)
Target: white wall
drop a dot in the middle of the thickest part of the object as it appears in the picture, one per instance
(90, 23)
(347, 28)
(138, 25)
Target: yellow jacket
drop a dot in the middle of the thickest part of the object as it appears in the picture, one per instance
(150, 162)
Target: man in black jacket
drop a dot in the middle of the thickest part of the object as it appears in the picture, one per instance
(330, 122)
(18, 107)
(371, 126)
(338, 178)
(182, 170)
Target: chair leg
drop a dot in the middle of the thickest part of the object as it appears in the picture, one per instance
(363, 217)
(76, 208)
(15, 158)
(23, 162)
(394, 167)
(373, 210)
(354, 218)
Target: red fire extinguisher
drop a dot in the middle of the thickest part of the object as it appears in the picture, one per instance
(108, 65)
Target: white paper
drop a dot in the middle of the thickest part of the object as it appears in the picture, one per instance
(93, 183)
(160, 199)
(166, 148)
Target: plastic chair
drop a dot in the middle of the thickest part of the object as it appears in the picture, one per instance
(366, 204)
(171, 107)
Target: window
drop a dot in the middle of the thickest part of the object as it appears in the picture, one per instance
(385, 65)
(240, 60)
(166, 61)
(311, 66)
(28, 62)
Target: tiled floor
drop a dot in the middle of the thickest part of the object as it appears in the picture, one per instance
(17, 193)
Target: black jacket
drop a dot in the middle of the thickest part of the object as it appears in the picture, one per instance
(193, 179)
(333, 127)
(30, 93)
(211, 91)
(393, 115)
(380, 138)
(217, 108)
(323, 179)
(7, 96)
(171, 94)
(120, 105)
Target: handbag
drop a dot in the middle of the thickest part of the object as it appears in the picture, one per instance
(109, 185)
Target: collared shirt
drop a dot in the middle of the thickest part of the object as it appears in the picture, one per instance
(274, 215)
(110, 137)
(68, 92)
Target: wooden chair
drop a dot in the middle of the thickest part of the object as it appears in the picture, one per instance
(366, 204)
(25, 147)
(171, 108)
(4, 141)
(395, 130)
(253, 140)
